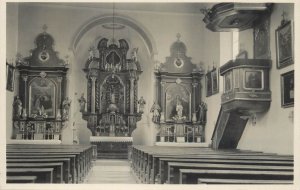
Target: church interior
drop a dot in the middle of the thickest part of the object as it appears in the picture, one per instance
(149, 93)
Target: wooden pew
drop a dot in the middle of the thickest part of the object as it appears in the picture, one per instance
(83, 155)
(241, 181)
(44, 175)
(81, 162)
(157, 169)
(57, 172)
(174, 167)
(21, 179)
(67, 177)
(164, 170)
(145, 159)
(190, 176)
(75, 166)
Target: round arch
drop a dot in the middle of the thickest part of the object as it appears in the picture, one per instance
(118, 19)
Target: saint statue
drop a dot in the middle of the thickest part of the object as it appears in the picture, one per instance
(142, 103)
(134, 54)
(179, 110)
(82, 102)
(18, 107)
(112, 108)
(202, 112)
(155, 109)
(66, 107)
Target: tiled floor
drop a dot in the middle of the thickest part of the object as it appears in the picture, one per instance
(110, 172)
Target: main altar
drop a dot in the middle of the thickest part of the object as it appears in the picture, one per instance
(112, 97)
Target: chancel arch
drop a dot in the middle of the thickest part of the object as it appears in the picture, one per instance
(116, 19)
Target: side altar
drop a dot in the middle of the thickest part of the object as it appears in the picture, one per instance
(178, 111)
(112, 97)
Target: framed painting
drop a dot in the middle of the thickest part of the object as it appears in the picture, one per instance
(42, 97)
(284, 45)
(208, 84)
(253, 80)
(10, 77)
(215, 81)
(178, 96)
(228, 82)
(287, 89)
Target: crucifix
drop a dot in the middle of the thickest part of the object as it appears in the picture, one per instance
(283, 21)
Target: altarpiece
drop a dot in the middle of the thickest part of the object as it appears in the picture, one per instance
(41, 108)
(178, 111)
(112, 96)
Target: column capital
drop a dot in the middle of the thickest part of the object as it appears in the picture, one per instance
(93, 78)
(25, 78)
(59, 79)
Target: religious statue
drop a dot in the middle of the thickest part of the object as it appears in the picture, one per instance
(142, 103)
(179, 110)
(91, 53)
(155, 109)
(134, 54)
(18, 107)
(82, 102)
(202, 109)
(66, 108)
(112, 108)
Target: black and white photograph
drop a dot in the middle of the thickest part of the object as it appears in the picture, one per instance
(149, 95)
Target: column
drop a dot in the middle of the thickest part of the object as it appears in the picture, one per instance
(25, 78)
(58, 114)
(131, 94)
(194, 118)
(163, 108)
(93, 94)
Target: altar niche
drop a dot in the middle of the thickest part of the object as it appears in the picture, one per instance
(178, 112)
(112, 93)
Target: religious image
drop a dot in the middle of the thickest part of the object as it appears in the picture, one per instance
(42, 97)
(177, 103)
(284, 45)
(287, 88)
(253, 79)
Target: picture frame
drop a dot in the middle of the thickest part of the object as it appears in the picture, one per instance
(215, 81)
(177, 94)
(228, 82)
(10, 77)
(42, 97)
(287, 89)
(208, 84)
(284, 45)
(253, 80)
(212, 82)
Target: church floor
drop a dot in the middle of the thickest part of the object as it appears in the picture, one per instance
(106, 171)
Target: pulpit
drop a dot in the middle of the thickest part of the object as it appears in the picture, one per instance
(112, 97)
(178, 112)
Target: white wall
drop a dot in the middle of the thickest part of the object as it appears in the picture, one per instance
(11, 51)
(273, 131)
